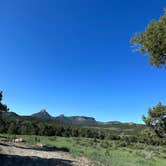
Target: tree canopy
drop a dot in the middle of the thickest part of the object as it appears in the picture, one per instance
(3, 107)
(152, 42)
(157, 119)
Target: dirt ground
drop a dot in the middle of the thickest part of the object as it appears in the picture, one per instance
(25, 155)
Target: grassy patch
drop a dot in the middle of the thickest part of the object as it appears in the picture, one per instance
(105, 152)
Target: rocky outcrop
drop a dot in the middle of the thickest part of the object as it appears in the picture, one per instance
(43, 115)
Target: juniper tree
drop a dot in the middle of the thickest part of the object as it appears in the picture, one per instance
(152, 42)
(156, 120)
(3, 107)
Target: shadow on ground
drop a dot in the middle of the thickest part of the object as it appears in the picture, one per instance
(13, 160)
(44, 148)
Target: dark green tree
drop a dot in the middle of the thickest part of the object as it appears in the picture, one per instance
(156, 120)
(2, 126)
(12, 129)
(152, 42)
(3, 107)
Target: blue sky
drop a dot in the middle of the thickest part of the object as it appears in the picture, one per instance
(73, 57)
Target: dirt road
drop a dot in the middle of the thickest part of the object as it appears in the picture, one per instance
(23, 155)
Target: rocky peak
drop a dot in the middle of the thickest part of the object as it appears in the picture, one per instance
(43, 111)
(42, 114)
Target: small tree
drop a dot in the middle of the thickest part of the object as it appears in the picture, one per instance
(3, 107)
(12, 129)
(157, 120)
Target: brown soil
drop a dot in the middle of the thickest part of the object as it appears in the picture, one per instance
(25, 155)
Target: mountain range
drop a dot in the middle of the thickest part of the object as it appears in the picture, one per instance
(43, 115)
(80, 120)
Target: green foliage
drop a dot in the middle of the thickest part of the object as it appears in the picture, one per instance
(1, 96)
(153, 41)
(2, 126)
(12, 129)
(103, 153)
(3, 107)
(156, 120)
(149, 137)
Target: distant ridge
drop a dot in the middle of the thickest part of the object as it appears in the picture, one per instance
(83, 120)
(113, 122)
(43, 115)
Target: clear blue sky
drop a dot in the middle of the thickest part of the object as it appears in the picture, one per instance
(73, 57)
